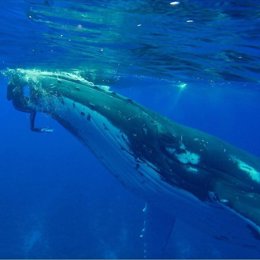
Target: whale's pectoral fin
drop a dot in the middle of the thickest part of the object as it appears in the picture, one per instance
(36, 129)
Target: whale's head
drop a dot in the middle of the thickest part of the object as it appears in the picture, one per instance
(21, 92)
(30, 89)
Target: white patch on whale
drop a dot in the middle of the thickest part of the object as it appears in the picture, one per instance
(170, 150)
(188, 157)
(182, 146)
(192, 169)
(251, 171)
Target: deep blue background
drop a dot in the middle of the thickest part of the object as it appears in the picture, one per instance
(56, 199)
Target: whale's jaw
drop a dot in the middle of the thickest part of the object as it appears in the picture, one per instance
(154, 157)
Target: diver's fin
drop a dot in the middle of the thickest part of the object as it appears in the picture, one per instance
(36, 129)
(157, 231)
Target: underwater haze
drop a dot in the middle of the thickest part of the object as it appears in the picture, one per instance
(195, 61)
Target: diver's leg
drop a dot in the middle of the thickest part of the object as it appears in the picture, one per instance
(36, 129)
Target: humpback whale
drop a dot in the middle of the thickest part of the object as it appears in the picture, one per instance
(197, 177)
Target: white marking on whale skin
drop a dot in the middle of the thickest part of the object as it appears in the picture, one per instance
(105, 88)
(251, 171)
(188, 157)
(192, 169)
(182, 146)
(170, 150)
(225, 201)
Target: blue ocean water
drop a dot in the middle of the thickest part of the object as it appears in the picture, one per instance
(195, 61)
